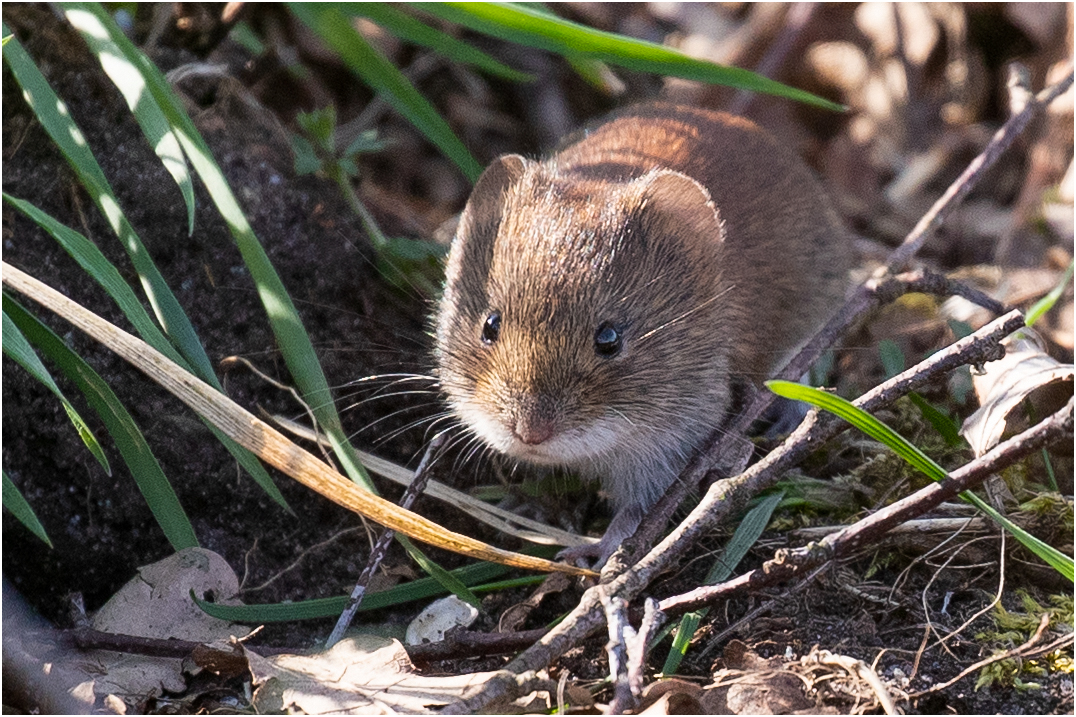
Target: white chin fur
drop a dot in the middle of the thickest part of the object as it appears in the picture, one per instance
(581, 446)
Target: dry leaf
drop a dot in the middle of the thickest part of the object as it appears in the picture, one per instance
(364, 674)
(671, 697)
(157, 603)
(438, 618)
(1006, 383)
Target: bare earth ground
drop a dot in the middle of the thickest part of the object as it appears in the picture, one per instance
(361, 326)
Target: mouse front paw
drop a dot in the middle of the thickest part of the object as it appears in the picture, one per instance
(591, 556)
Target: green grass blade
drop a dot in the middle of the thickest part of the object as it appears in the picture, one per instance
(942, 423)
(294, 342)
(416, 32)
(101, 270)
(134, 450)
(55, 119)
(747, 533)
(391, 85)
(471, 575)
(14, 501)
(917, 459)
(18, 349)
(1047, 302)
(445, 578)
(524, 26)
(129, 81)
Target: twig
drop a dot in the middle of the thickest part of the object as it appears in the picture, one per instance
(627, 651)
(860, 669)
(621, 634)
(653, 620)
(786, 563)
(85, 638)
(377, 554)
(1020, 651)
(920, 526)
(464, 643)
(626, 574)
(925, 281)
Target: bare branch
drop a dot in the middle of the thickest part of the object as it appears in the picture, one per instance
(621, 634)
(787, 563)
(626, 577)
(967, 180)
(377, 554)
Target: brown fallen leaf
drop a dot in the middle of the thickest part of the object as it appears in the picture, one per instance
(751, 684)
(1005, 384)
(156, 603)
(364, 674)
(672, 697)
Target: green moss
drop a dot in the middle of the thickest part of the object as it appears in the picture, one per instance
(1014, 628)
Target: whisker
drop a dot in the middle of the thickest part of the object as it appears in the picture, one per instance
(397, 412)
(381, 397)
(684, 315)
(413, 424)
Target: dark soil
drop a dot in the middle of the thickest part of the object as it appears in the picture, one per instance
(361, 326)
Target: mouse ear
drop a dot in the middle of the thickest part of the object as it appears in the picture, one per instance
(472, 249)
(677, 204)
(486, 205)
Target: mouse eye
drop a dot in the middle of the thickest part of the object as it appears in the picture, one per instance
(491, 329)
(607, 340)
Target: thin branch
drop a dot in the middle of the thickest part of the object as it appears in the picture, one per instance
(1020, 651)
(653, 620)
(459, 644)
(377, 554)
(786, 563)
(620, 635)
(628, 572)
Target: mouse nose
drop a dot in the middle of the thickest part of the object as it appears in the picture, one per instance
(533, 432)
(535, 421)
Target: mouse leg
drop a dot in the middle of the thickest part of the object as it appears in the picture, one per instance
(783, 417)
(620, 529)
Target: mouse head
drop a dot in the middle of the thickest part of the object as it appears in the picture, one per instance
(581, 316)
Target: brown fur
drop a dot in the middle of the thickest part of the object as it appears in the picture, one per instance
(709, 247)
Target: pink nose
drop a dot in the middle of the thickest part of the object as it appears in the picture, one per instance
(533, 430)
(534, 420)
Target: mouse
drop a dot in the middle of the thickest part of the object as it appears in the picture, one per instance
(600, 304)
